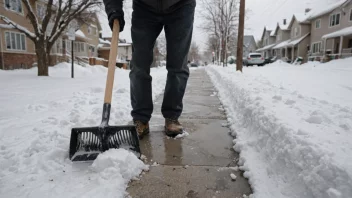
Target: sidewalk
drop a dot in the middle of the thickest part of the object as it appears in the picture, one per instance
(196, 166)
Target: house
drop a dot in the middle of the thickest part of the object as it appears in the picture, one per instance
(269, 41)
(282, 33)
(124, 54)
(18, 51)
(331, 31)
(249, 45)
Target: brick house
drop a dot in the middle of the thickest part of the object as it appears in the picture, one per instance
(18, 51)
(331, 31)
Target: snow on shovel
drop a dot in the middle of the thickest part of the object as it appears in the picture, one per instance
(86, 143)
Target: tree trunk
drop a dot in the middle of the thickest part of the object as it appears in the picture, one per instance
(42, 59)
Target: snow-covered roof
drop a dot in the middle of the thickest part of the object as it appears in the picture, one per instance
(266, 48)
(316, 12)
(104, 23)
(104, 41)
(297, 41)
(302, 17)
(80, 34)
(282, 44)
(343, 32)
(124, 44)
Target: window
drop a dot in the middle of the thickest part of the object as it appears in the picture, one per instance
(79, 47)
(41, 11)
(335, 19)
(351, 15)
(57, 47)
(316, 47)
(15, 41)
(14, 5)
(92, 30)
(279, 37)
(317, 24)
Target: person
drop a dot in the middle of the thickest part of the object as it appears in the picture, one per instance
(149, 17)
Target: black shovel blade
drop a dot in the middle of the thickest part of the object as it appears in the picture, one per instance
(87, 143)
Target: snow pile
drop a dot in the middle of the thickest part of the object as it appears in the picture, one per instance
(292, 125)
(36, 117)
(115, 168)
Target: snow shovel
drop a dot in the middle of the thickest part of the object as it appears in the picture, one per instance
(87, 143)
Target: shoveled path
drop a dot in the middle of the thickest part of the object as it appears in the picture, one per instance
(197, 166)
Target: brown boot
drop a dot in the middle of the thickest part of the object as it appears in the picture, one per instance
(142, 128)
(173, 127)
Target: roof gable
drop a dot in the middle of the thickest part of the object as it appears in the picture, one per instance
(315, 13)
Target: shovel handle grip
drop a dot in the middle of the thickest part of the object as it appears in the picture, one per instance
(112, 62)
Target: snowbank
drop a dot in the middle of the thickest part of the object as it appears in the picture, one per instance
(292, 125)
(36, 117)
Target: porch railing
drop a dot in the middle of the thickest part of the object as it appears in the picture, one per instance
(347, 52)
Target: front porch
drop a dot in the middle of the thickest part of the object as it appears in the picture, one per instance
(335, 45)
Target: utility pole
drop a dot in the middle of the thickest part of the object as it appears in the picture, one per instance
(239, 58)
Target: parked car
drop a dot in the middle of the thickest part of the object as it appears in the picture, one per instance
(194, 65)
(254, 59)
(270, 60)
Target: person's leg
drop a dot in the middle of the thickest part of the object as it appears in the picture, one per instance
(146, 26)
(178, 32)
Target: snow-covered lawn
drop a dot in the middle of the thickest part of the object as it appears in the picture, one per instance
(36, 117)
(293, 126)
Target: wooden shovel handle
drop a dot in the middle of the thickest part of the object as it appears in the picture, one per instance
(112, 62)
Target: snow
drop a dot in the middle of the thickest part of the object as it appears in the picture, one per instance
(316, 12)
(293, 126)
(104, 41)
(80, 34)
(297, 41)
(302, 17)
(36, 117)
(15, 25)
(282, 44)
(182, 135)
(104, 23)
(266, 48)
(342, 32)
(233, 176)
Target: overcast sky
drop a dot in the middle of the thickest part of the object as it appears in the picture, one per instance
(260, 13)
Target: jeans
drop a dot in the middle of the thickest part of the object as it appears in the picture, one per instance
(146, 27)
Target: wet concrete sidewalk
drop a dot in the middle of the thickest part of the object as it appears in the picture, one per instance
(197, 166)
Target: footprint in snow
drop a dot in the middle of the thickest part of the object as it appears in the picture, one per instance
(277, 97)
(290, 102)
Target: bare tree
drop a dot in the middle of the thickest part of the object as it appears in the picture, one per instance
(194, 52)
(48, 27)
(221, 19)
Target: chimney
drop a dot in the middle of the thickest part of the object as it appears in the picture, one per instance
(284, 21)
(307, 10)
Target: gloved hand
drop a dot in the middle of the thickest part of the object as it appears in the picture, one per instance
(114, 11)
(119, 16)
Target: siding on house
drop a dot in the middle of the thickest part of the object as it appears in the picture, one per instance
(325, 28)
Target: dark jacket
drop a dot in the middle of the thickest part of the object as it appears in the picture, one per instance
(157, 6)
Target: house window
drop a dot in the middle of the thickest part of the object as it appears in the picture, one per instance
(295, 32)
(351, 15)
(57, 47)
(316, 47)
(79, 47)
(279, 37)
(14, 5)
(15, 41)
(335, 19)
(317, 24)
(92, 30)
